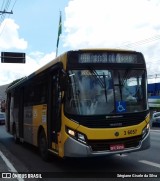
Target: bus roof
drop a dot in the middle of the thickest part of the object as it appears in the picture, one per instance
(105, 49)
(43, 68)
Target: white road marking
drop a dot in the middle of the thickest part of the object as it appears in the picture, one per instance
(9, 165)
(150, 163)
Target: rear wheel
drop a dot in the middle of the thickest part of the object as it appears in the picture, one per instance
(42, 145)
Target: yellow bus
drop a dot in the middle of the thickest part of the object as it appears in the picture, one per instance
(84, 103)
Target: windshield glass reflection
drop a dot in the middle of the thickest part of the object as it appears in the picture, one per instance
(100, 92)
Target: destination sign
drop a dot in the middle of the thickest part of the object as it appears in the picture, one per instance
(109, 58)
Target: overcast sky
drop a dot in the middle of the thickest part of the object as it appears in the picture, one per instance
(33, 28)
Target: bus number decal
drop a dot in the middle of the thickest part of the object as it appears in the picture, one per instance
(130, 132)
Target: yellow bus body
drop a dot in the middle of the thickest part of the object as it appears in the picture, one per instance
(36, 118)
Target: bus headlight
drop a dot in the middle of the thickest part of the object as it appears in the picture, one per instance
(76, 135)
(145, 131)
(71, 132)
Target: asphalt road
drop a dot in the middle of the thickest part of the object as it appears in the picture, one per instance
(25, 158)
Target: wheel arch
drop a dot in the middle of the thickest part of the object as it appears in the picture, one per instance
(43, 144)
(40, 129)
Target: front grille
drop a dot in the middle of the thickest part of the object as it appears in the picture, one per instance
(112, 122)
(104, 145)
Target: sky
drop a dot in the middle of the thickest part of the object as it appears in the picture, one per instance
(33, 29)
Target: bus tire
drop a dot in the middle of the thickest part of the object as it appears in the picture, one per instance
(42, 146)
(16, 139)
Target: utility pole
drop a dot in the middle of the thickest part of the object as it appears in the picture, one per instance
(5, 12)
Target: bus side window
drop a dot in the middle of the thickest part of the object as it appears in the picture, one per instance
(40, 93)
(35, 95)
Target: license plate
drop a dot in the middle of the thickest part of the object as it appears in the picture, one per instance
(117, 147)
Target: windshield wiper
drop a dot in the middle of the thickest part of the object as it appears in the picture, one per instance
(105, 89)
(74, 92)
(96, 76)
(122, 81)
(125, 77)
(120, 85)
(101, 82)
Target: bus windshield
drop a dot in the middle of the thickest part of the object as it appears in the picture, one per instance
(102, 92)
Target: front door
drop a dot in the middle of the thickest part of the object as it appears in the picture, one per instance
(54, 101)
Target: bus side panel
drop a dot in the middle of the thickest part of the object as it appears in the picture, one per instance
(39, 119)
(34, 117)
(28, 124)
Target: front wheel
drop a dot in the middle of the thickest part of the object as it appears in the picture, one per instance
(42, 145)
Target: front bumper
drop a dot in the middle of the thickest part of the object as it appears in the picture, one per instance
(73, 148)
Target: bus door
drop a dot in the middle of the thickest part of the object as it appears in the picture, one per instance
(54, 101)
